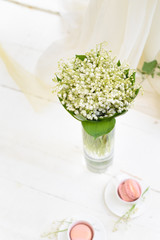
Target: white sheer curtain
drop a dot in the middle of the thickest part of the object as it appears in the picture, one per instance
(130, 28)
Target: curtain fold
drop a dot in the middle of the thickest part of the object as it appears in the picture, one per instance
(125, 24)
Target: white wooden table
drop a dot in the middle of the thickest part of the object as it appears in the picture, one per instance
(42, 175)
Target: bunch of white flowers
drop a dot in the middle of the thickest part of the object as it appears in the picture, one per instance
(95, 86)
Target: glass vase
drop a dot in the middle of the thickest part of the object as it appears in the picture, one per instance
(98, 152)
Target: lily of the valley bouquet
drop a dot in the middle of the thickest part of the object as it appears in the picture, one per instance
(95, 88)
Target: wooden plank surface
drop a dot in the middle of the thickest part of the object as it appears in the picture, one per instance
(42, 174)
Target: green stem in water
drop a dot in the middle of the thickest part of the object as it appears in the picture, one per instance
(97, 146)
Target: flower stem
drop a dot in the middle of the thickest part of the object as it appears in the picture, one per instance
(126, 216)
(97, 146)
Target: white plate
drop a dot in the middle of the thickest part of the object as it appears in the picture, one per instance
(118, 207)
(99, 230)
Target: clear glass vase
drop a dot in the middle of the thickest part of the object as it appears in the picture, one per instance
(98, 152)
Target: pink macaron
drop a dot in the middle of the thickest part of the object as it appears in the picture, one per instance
(129, 190)
(81, 230)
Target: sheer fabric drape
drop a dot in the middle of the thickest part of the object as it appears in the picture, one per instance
(130, 28)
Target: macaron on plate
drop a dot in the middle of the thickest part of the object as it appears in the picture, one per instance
(122, 192)
(81, 223)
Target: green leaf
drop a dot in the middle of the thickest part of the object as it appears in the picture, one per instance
(81, 57)
(99, 128)
(137, 91)
(149, 67)
(132, 78)
(58, 79)
(118, 63)
(78, 116)
(126, 72)
(158, 73)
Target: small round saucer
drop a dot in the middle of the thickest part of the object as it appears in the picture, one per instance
(99, 230)
(118, 207)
